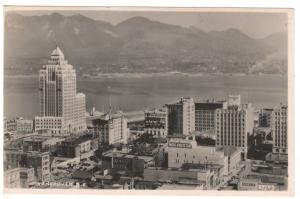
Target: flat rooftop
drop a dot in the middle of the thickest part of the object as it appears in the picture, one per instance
(195, 168)
(40, 138)
(228, 150)
(125, 155)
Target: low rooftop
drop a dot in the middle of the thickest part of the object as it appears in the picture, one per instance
(229, 150)
(117, 154)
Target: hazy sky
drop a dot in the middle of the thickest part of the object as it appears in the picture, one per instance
(256, 25)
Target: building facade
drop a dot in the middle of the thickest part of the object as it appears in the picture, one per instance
(265, 117)
(18, 124)
(181, 117)
(183, 151)
(19, 178)
(234, 125)
(112, 128)
(279, 126)
(24, 125)
(156, 123)
(10, 125)
(74, 147)
(205, 114)
(124, 162)
(62, 110)
(39, 161)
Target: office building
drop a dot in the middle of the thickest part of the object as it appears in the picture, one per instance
(24, 125)
(279, 127)
(19, 125)
(156, 123)
(205, 114)
(112, 128)
(126, 162)
(62, 110)
(40, 161)
(265, 117)
(74, 147)
(234, 125)
(186, 151)
(40, 143)
(181, 117)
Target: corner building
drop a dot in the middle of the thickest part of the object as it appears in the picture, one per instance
(234, 125)
(62, 110)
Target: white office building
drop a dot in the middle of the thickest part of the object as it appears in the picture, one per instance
(62, 109)
(279, 130)
(234, 125)
(183, 151)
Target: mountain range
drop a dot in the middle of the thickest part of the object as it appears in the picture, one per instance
(136, 45)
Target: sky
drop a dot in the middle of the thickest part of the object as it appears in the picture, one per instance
(254, 24)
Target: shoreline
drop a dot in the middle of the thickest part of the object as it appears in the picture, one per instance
(145, 75)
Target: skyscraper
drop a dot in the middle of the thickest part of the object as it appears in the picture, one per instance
(265, 117)
(205, 114)
(181, 117)
(62, 110)
(234, 125)
(279, 130)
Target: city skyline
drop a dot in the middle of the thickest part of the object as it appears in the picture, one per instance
(195, 110)
(217, 157)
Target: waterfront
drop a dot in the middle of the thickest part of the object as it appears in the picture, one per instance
(132, 94)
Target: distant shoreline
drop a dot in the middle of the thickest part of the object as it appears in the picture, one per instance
(143, 75)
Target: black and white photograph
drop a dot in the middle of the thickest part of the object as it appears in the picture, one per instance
(158, 99)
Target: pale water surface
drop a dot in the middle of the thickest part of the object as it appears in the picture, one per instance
(132, 94)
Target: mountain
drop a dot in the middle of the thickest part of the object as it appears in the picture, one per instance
(134, 45)
(276, 60)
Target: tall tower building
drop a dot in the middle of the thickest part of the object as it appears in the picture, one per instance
(62, 110)
(265, 117)
(279, 130)
(181, 117)
(234, 125)
(205, 114)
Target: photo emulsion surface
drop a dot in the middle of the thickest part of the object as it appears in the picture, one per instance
(147, 99)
